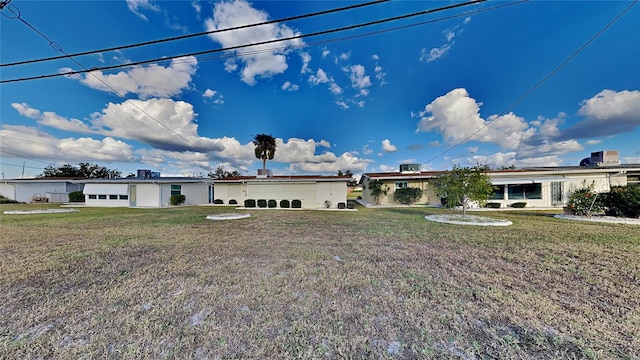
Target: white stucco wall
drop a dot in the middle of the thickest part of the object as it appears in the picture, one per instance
(24, 191)
(8, 191)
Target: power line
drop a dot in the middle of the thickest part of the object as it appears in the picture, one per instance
(182, 37)
(24, 157)
(539, 83)
(324, 32)
(22, 166)
(55, 46)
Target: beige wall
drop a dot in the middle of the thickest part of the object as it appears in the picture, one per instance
(429, 196)
(312, 194)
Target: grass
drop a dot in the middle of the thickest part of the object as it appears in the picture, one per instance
(377, 283)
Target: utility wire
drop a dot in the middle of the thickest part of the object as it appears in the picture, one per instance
(182, 37)
(24, 157)
(539, 83)
(59, 48)
(324, 32)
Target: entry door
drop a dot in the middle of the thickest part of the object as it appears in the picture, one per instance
(556, 193)
(132, 195)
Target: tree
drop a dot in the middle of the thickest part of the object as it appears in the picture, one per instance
(265, 148)
(377, 190)
(464, 184)
(83, 170)
(221, 173)
(352, 181)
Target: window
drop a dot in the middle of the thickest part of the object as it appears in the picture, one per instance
(113, 197)
(498, 192)
(124, 197)
(93, 197)
(102, 197)
(176, 190)
(525, 191)
(401, 185)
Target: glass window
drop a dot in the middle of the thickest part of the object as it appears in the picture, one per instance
(401, 184)
(525, 191)
(102, 197)
(176, 189)
(498, 192)
(93, 197)
(124, 197)
(113, 197)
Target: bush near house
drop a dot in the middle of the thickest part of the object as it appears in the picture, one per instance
(284, 204)
(493, 205)
(585, 201)
(233, 202)
(518, 205)
(296, 204)
(262, 203)
(218, 201)
(177, 199)
(623, 201)
(272, 203)
(4, 200)
(408, 195)
(76, 196)
(250, 203)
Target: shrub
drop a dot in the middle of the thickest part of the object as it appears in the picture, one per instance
(351, 205)
(622, 201)
(233, 202)
(359, 197)
(296, 204)
(327, 204)
(177, 199)
(250, 203)
(284, 204)
(341, 205)
(76, 196)
(218, 201)
(272, 203)
(4, 200)
(408, 195)
(518, 205)
(493, 205)
(262, 203)
(585, 201)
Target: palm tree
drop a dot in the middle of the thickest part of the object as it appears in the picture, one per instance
(265, 148)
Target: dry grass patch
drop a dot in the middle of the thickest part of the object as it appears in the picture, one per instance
(377, 283)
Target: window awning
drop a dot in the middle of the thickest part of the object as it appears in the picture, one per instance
(516, 181)
(106, 189)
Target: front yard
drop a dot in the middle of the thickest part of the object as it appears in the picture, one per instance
(377, 283)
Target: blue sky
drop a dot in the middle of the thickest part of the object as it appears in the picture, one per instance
(366, 100)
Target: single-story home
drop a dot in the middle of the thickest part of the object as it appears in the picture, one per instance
(52, 190)
(306, 192)
(151, 191)
(543, 187)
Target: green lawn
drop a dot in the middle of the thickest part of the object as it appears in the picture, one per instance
(372, 284)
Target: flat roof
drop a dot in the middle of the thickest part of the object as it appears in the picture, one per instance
(282, 178)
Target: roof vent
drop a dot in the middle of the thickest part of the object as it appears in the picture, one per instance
(409, 168)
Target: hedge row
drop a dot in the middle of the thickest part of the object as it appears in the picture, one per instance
(262, 203)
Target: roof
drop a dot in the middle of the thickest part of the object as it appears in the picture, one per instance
(627, 168)
(134, 180)
(42, 180)
(282, 178)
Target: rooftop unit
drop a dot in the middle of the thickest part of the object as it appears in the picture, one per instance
(605, 158)
(147, 174)
(409, 168)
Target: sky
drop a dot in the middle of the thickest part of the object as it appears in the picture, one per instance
(501, 83)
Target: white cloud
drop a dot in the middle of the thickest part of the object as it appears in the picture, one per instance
(607, 113)
(306, 59)
(473, 149)
(342, 104)
(435, 53)
(288, 86)
(593, 142)
(367, 150)
(345, 56)
(388, 147)
(25, 110)
(209, 93)
(387, 168)
(325, 53)
(360, 103)
(51, 119)
(196, 6)
(136, 5)
(335, 89)
(219, 101)
(146, 81)
(324, 143)
(319, 78)
(358, 78)
(230, 65)
(375, 57)
(467, 20)
(264, 60)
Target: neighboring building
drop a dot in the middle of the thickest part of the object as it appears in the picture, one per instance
(146, 190)
(312, 191)
(53, 190)
(538, 187)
